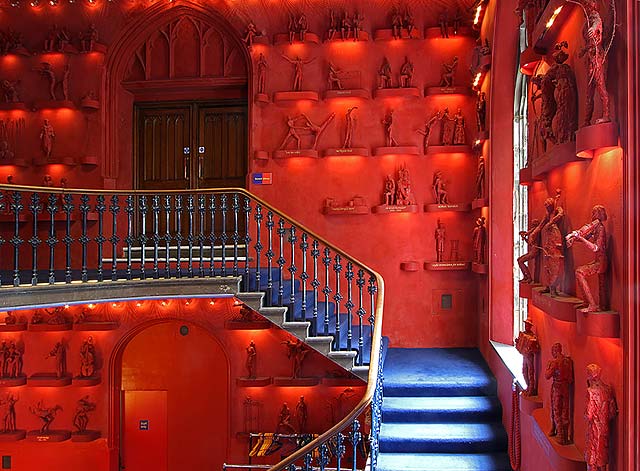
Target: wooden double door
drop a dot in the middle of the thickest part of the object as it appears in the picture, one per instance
(191, 145)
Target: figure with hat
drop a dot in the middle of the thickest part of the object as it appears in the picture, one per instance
(528, 346)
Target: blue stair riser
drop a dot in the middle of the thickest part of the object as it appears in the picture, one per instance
(439, 389)
(443, 462)
(441, 410)
(442, 445)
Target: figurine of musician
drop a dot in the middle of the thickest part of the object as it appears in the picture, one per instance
(46, 414)
(601, 409)
(59, 352)
(528, 346)
(532, 238)
(594, 236)
(448, 73)
(552, 248)
(560, 370)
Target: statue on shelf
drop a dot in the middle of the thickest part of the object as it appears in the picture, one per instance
(89, 38)
(447, 78)
(293, 28)
(404, 194)
(600, 410)
(560, 370)
(396, 23)
(11, 318)
(9, 413)
(284, 420)
(10, 91)
(428, 125)
(47, 181)
(595, 51)
(50, 39)
(293, 132)
(303, 27)
(55, 317)
(408, 22)
(439, 188)
(11, 360)
(47, 72)
(358, 23)
(345, 26)
(250, 363)
(528, 346)
(594, 236)
(298, 64)
(261, 65)
(384, 74)
(64, 82)
(481, 112)
(443, 23)
(296, 351)
(448, 127)
(480, 50)
(351, 124)
(302, 414)
(389, 194)
(545, 92)
(565, 120)
(538, 144)
(87, 358)
(63, 37)
(532, 238)
(480, 179)
(317, 129)
(459, 133)
(406, 74)
(390, 141)
(458, 19)
(440, 235)
(479, 241)
(552, 248)
(46, 414)
(6, 155)
(333, 26)
(250, 35)
(334, 79)
(59, 352)
(81, 415)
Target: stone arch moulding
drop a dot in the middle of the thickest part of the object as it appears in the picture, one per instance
(131, 51)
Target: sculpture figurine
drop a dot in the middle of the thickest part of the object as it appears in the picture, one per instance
(333, 26)
(448, 127)
(59, 352)
(47, 72)
(64, 82)
(600, 410)
(357, 24)
(408, 22)
(458, 18)
(439, 188)
(345, 26)
(396, 23)
(302, 414)
(303, 27)
(11, 361)
(459, 133)
(480, 179)
(443, 23)
(560, 371)
(317, 129)
(594, 236)
(384, 74)
(11, 318)
(250, 34)
(389, 194)
(284, 420)
(552, 248)
(447, 77)
(564, 122)
(479, 241)
(293, 132)
(440, 235)
(49, 44)
(261, 65)
(406, 74)
(47, 137)
(481, 112)
(387, 122)
(81, 415)
(55, 317)
(334, 79)
(596, 53)
(532, 238)
(89, 38)
(545, 92)
(298, 64)
(250, 362)
(528, 346)
(46, 414)
(428, 125)
(87, 358)
(404, 194)
(9, 413)
(10, 91)
(351, 124)
(63, 37)
(296, 351)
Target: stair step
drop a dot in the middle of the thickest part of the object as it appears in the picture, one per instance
(274, 314)
(361, 372)
(321, 344)
(344, 359)
(441, 437)
(298, 329)
(441, 409)
(253, 300)
(443, 462)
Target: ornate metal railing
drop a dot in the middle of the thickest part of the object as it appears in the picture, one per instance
(54, 237)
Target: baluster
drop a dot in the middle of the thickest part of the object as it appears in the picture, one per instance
(323, 459)
(247, 241)
(292, 270)
(308, 459)
(52, 240)
(2, 210)
(167, 236)
(100, 239)
(114, 208)
(212, 235)
(35, 241)
(340, 450)
(258, 217)
(67, 207)
(315, 284)
(202, 208)
(129, 239)
(84, 238)
(326, 290)
(281, 261)
(373, 289)
(304, 276)
(155, 209)
(223, 236)
(361, 312)
(16, 241)
(178, 237)
(349, 304)
(190, 239)
(355, 436)
(144, 209)
(292, 467)
(235, 206)
(337, 268)
(270, 254)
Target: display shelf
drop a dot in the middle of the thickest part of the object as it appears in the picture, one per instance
(343, 381)
(247, 325)
(13, 436)
(14, 106)
(387, 34)
(434, 32)
(253, 382)
(281, 97)
(525, 289)
(295, 382)
(89, 104)
(447, 91)
(69, 161)
(527, 178)
(529, 60)
(560, 457)
(53, 104)
(262, 99)
(439, 208)
(95, 326)
(13, 382)
(86, 436)
(562, 308)
(347, 93)
(447, 266)
(457, 149)
(410, 266)
(345, 210)
(397, 150)
(556, 156)
(44, 327)
(16, 162)
(604, 324)
(43, 380)
(47, 437)
(596, 138)
(283, 39)
(550, 23)
(479, 268)
(289, 153)
(479, 203)
(19, 51)
(337, 38)
(261, 155)
(97, 48)
(84, 381)
(395, 208)
(90, 160)
(351, 152)
(529, 403)
(17, 327)
(405, 92)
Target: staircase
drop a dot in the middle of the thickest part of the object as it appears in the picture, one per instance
(440, 412)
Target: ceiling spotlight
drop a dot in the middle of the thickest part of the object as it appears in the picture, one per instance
(53, 3)
(14, 3)
(91, 2)
(35, 3)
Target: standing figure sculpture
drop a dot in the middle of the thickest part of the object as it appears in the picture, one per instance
(59, 352)
(459, 132)
(345, 26)
(302, 414)
(601, 409)
(250, 34)
(293, 132)
(81, 415)
(387, 122)
(439, 188)
(10, 91)
(532, 238)
(9, 413)
(46, 414)
(389, 195)
(552, 247)
(47, 136)
(47, 72)
(317, 129)
(428, 125)
(250, 362)
(334, 80)
(528, 346)
(351, 124)
(406, 74)
(358, 23)
(89, 38)
(408, 22)
(298, 65)
(560, 371)
(303, 27)
(479, 241)
(440, 235)
(261, 65)
(594, 236)
(396, 23)
(447, 126)
(443, 23)
(333, 26)
(384, 74)
(447, 78)
(296, 351)
(565, 94)
(404, 194)
(480, 179)
(87, 358)
(481, 112)
(548, 108)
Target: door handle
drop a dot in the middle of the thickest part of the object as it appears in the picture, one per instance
(187, 160)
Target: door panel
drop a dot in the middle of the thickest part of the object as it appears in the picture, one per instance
(145, 429)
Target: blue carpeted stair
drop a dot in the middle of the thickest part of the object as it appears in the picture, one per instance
(440, 413)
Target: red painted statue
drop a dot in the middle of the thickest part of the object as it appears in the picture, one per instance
(81, 415)
(296, 351)
(389, 194)
(351, 124)
(302, 414)
(560, 370)
(298, 65)
(480, 178)
(46, 414)
(404, 194)
(479, 241)
(261, 65)
(481, 112)
(428, 125)
(384, 74)
(9, 413)
(565, 120)
(47, 137)
(439, 188)
(447, 78)
(448, 126)
(87, 358)
(387, 122)
(552, 247)
(459, 132)
(59, 352)
(528, 346)
(532, 238)
(440, 235)
(601, 409)
(250, 363)
(406, 74)
(284, 420)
